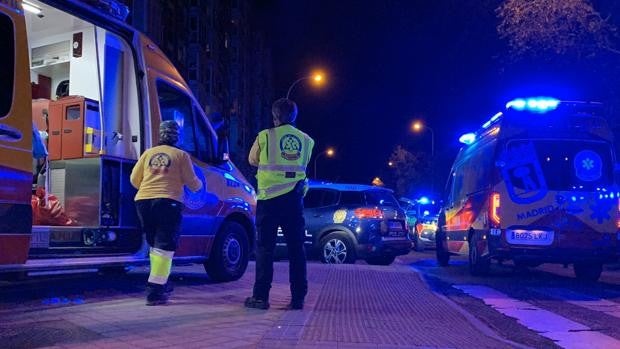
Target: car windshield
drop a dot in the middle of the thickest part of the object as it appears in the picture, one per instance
(564, 164)
(380, 198)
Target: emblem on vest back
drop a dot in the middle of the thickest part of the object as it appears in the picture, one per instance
(290, 147)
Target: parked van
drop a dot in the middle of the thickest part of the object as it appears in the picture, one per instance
(535, 184)
(96, 90)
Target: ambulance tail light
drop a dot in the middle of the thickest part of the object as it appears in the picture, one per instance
(373, 213)
(494, 210)
(618, 215)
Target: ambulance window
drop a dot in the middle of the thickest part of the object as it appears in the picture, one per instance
(176, 105)
(7, 62)
(448, 190)
(458, 192)
(204, 137)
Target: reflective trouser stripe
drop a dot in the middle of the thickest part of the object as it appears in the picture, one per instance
(161, 263)
(273, 147)
(285, 168)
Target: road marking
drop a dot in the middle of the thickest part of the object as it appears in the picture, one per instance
(565, 332)
(581, 300)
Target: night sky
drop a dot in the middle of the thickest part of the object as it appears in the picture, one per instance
(391, 62)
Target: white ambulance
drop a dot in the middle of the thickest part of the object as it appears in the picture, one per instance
(96, 90)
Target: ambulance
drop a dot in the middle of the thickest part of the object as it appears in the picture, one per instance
(91, 88)
(535, 184)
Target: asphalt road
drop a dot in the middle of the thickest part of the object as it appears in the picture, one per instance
(555, 299)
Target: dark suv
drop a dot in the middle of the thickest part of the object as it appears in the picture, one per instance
(345, 222)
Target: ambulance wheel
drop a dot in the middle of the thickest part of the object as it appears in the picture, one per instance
(229, 255)
(443, 256)
(478, 265)
(588, 272)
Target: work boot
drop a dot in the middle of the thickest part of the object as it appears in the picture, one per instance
(156, 294)
(295, 304)
(256, 303)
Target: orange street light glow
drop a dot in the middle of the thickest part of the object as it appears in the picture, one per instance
(330, 152)
(417, 126)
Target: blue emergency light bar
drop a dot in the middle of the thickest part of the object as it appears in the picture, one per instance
(424, 200)
(536, 105)
(468, 138)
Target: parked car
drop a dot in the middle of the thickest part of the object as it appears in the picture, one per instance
(346, 222)
(421, 220)
(423, 233)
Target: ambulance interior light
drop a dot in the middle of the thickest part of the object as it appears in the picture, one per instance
(536, 105)
(30, 7)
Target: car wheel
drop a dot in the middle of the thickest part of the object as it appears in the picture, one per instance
(228, 259)
(380, 260)
(337, 248)
(441, 250)
(478, 265)
(588, 272)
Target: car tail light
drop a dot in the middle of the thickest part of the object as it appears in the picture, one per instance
(368, 213)
(494, 209)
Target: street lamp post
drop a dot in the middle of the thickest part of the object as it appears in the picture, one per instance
(418, 126)
(317, 78)
(329, 152)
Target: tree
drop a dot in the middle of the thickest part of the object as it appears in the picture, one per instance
(409, 170)
(561, 27)
(568, 40)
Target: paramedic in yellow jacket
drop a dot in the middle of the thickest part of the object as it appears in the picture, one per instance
(281, 154)
(160, 175)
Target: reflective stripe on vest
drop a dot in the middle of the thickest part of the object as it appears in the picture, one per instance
(272, 140)
(284, 168)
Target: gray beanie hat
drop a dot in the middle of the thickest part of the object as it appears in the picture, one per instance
(169, 132)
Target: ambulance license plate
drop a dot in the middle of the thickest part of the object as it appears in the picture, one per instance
(529, 237)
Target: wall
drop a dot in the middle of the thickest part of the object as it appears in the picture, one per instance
(82, 70)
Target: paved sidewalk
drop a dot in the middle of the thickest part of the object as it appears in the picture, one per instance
(348, 306)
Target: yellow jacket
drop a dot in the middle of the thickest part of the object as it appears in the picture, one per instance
(161, 172)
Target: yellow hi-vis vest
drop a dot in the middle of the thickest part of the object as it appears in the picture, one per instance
(284, 154)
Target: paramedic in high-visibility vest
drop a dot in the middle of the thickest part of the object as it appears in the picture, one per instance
(160, 175)
(281, 154)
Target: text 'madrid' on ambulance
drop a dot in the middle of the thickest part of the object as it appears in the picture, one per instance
(77, 80)
(535, 184)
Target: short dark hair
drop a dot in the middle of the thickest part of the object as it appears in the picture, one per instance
(284, 110)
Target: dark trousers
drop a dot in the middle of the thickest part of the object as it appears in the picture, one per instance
(160, 220)
(285, 211)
